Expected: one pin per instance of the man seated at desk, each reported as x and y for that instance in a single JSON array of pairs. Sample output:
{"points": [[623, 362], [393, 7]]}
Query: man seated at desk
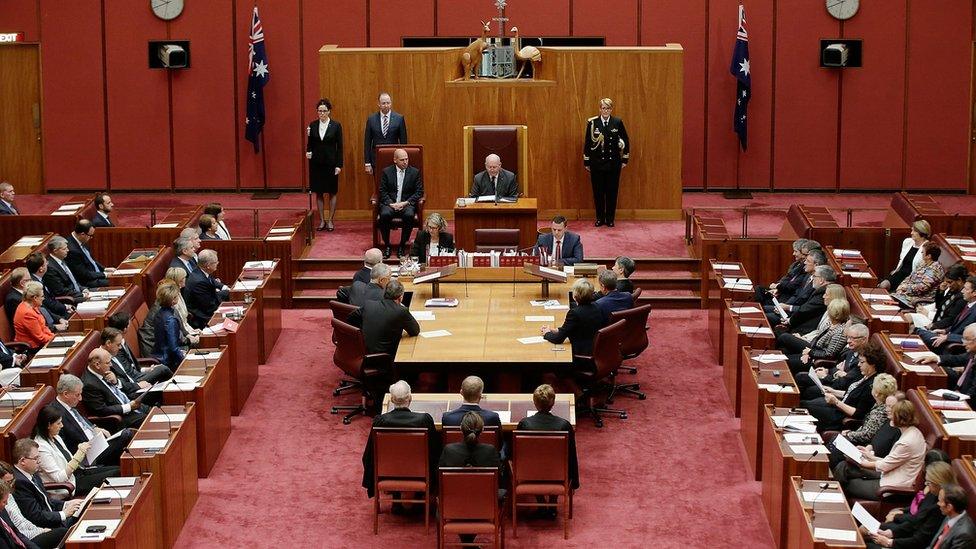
{"points": [[204, 292], [7, 199], [401, 188], [383, 321], [561, 246], [359, 293], [495, 181], [87, 271], [58, 276], [544, 397], [106, 395]]}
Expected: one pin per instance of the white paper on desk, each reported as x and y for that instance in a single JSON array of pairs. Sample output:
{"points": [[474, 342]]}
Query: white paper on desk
{"points": [[551, 271], [209, 330], [805, 428], [736, 282], [19, 396], [725, 267], [543, 302], [504, 415], [279, 237], [835, 534], [539, 318], [570, 270], [423, 315], [847, 448], [80, 534], [4, 422], [106, 294], [114, 493], [186, 379], [426, 277], [28, 241], [900, 340], [179, 386], [941, 393], [969, 258], [531, 340], [824, 497], [776, 388], [92, 306], [959, 414], [165, 225], [769, 358], [890, 318], [485, 198], [148, 443], [961, 428], [53, 351], [282, 230], [46, 362], [802, 438], [212, 355], [842, 252], [875, 297], [920, 368], [72, 212], [967, 249], [744, 310], [807, 449], [961, 241], [167, 418], [857, 274], [125, 272], [756, 330], [98, 445], [884, 307], [121, 481], [435, 333], [781, 421], [247, 285], [557, 307], [920, 321], [266, 264]]}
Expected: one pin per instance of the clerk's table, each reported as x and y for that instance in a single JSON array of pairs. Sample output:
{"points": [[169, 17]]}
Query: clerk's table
{"points": [[521, 215]]}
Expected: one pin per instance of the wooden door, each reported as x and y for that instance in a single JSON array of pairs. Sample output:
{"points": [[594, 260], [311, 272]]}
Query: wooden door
{"points": [[20, 117]]}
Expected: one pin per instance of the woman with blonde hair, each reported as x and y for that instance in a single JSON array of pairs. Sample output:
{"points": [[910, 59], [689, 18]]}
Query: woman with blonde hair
{"points": [[167, 349], [178, 276], [432, 239], [824, 343], [917, 524]]}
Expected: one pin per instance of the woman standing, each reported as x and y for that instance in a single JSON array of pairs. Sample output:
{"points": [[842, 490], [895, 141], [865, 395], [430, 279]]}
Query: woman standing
{"points": [[324, 153]]}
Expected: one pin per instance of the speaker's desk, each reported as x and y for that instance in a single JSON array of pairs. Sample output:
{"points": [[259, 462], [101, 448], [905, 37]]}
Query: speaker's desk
{"points": [[521, 214]]}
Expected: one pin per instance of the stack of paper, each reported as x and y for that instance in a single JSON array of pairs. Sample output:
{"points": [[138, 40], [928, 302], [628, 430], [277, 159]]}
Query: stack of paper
{"points": [[212, 355], [776, 388], [125, 272], [756, 330], [875, 297], [281, 230], [965, 428], [823, 497], [744, 310], [920, 368], [92, 306], [268, 264]]}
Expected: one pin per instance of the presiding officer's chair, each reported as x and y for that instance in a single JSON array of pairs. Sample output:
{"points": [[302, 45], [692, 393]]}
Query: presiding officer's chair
{"points": [[368, 369], [510, 143], [383, 156], [490, 240]]}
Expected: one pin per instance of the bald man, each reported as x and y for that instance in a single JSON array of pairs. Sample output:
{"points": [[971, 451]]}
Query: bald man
{"points": [[370, 258], [106, 395], [495, 180], [401, 188]]}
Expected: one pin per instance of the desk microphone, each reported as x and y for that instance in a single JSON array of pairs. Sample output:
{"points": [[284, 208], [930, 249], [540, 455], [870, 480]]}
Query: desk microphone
{"points": [[813, 502], [135, 460], [106, 484], [465, 282], [206, 366], [169, 423]]}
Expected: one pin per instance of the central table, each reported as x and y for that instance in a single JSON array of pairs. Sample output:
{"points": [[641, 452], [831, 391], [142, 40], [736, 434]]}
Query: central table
{"points": [[520, 215]]}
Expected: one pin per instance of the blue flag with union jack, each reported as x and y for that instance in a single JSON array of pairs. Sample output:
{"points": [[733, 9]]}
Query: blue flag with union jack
{"points": [[740, 69], [258, 76]]}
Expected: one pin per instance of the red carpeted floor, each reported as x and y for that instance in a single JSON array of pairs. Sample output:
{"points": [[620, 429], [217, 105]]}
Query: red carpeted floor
{"points": [[673, 475]]}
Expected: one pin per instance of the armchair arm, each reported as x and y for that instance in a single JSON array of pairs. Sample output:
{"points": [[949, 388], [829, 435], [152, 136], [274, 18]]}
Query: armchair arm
{"points": [[147, 361], [18, 347], [109, 423], [374, 200], [66, 299], [59, 486]]}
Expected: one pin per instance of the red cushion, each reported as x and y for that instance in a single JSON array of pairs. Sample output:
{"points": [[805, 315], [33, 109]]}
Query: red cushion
{"points": [[401, 485], [540, 489], [469, 527]]}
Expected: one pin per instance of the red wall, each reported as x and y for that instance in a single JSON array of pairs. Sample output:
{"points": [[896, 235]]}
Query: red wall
{"points": [[900, 122]]}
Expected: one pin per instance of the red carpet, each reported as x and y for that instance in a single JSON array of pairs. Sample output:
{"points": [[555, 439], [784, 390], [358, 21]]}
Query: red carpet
{"points": [[673, 475]]}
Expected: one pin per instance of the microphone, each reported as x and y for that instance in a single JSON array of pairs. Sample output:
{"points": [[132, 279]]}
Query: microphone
{"points": [[135, 460], [823, 486], [206, 366], [465, 282], [169, 423], [105, 484]]}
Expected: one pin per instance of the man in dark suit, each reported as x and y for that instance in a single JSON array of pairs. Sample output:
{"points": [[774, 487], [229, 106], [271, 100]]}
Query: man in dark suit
{"points": [[185, 256], [495, 180], [957, 531], [59, 277], [960, 368], [544, 397], [36, 264], [938, 336], [76, 428], [103, 208], [612, 299], [358, 293], [805, 316], [370, 258], [401, 187], [838, 378], [471, 389], [124, 359], [104, 394], [400, 416], [383, 321], [19, 278], [794, 279], [570, 248], [7, 199], [87, 271], [10, 359], [948, 299], [29, 493], [128, 374], [384, 127], [204, 292], [624, 267], [10, 536], [606, 150]]}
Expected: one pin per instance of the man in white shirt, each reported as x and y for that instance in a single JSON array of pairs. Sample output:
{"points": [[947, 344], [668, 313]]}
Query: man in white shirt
{"points": [[384, 127], [77, 428], [45, 538], [7, 199], [401, 188], [103, 207]]}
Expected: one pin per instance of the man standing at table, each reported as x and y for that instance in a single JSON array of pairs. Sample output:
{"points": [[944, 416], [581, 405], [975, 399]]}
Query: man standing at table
{"points": [[384, 127], [400, 189], [561, 246], [495, 180], [606, 149]]}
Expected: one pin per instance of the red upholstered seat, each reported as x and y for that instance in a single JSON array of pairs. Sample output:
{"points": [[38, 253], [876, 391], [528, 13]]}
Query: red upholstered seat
{"points": [[401, 466], [468, 504], [383, 156], [540, 467]]}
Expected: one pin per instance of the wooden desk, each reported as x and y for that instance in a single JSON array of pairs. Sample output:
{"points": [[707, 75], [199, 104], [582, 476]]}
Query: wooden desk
{"points": [[139, 520], [759, 383], [740, 332], [931, 419], [851, 267], [50, 362], [261, 282], [130, 300], [779, 464], [484, 330], [807, 516], [956, 249], [877, 310], [212, 397], [112, 245], [907, 208], [517, 404], [919, 375], [61, 220], [175, 465], [725, 280], [18, 414], [17, 253], [880, 245], [243, 348], [521, 215], [143, 267]]}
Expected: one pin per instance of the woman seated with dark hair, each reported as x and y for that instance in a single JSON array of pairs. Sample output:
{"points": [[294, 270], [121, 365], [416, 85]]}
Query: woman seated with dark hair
{"points": [[432, 238], [208, 227], [57, 464], [915, 526], [831, 411], [582, 321], [217, 211], [923, 282], [470, 453], [898, 469]]}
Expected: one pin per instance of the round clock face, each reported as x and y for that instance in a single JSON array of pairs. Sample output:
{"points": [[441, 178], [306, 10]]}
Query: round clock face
{"points": [[167, 9], [843, 9]]}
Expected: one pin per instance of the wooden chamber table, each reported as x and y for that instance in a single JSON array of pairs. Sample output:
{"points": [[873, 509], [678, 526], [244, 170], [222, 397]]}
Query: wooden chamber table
{"points": [[741, 330], [261, 281], [715, 290], [139, 525], [763, 382], [17, 253], [61, 220], [129, 301], [808, 518], [243, 348], [51, 361], [143, 267], [877, 308], [851, 267], [903, 367], [521, 215], [517, 404], [484, 329], [956, 249]]}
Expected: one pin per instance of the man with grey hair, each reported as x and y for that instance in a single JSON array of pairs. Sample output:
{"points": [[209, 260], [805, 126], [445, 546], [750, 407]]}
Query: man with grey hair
{"points": [[370, 258], [495, 180], [59, 278], [76, 428], [794, 279], [611, 299], [204, 291], [7, 199], [838, 378], [805, 316], [359, 293], [383, 321], [184, 256], [400, 416]]}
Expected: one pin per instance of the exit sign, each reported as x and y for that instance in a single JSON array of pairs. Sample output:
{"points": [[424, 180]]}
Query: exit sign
{"points": [[11, 37]]}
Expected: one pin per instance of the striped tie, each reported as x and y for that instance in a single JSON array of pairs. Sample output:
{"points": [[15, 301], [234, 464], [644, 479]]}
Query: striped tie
{"points": [[386, 123]]}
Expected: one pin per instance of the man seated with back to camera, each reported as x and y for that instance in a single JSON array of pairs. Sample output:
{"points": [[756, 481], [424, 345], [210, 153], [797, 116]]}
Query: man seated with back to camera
{"points": [[383, 321], [359, 293], [612, 299], [544, 398], [472, 388], [371, 257]]}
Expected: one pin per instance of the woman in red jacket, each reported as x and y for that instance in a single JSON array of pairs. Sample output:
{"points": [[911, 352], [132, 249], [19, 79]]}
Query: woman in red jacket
{"points": [[29, 325]]}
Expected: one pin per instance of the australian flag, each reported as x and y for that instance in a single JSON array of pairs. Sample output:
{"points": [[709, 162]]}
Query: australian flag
{"points": [[258, 76], [740, 69]]}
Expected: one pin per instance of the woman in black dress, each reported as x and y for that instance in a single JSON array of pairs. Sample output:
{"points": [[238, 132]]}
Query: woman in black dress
{"points": [[324, 153]]}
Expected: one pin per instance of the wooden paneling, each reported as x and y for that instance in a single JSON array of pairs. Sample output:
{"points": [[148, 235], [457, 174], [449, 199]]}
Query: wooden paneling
{"points": [[20, 117], [648, 100]]}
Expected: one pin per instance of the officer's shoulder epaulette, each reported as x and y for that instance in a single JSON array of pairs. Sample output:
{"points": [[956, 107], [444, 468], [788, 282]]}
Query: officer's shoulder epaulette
{"points": [[592, 118]]}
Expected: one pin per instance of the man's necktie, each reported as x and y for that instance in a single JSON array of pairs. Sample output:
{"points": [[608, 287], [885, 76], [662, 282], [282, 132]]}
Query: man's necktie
{"points": [[400, 177], [965, 373], [386, 124], [557, 252], [962, 315], [91, 260], [10, 532], [494, 185], [71, 277], [942, 536], [116, 360], [14, 209]]}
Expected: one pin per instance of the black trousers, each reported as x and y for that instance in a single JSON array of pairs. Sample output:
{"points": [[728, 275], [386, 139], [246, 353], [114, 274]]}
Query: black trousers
{"points": [[157, 373], [50, 539], [388, 214], [605, 181]]}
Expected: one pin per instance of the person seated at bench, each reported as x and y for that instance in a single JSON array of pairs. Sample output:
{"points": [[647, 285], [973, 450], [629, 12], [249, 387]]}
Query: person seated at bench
{"points": [[831, 410], [923, 282]]}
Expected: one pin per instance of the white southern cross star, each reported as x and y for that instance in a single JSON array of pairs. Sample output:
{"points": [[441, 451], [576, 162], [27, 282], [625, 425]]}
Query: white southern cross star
{"points": [[261, 69], [744, 67]]}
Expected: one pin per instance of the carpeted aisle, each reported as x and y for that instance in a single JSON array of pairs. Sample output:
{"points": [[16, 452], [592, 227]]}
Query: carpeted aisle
{"points": [[673, 475]]}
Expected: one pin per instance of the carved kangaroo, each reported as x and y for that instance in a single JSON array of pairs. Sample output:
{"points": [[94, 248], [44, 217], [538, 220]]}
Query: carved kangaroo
{"points": [[471, 58]]}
